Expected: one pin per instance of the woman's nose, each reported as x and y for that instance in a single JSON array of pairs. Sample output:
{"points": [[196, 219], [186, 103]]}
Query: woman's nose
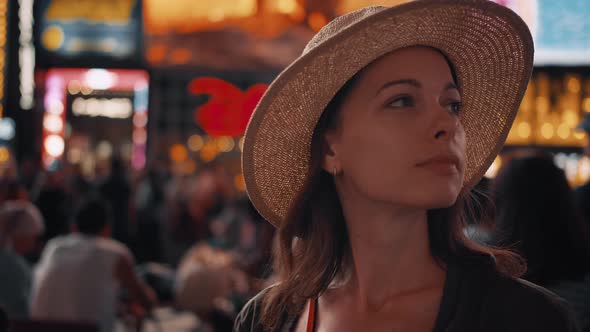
{"points": [[445, 123]]}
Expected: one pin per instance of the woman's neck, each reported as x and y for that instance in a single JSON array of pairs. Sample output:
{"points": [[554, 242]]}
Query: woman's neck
{"points": [[390, 255]]}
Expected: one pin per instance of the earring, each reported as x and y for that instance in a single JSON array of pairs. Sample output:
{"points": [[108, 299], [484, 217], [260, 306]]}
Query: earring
{"points": [[335, 172]]}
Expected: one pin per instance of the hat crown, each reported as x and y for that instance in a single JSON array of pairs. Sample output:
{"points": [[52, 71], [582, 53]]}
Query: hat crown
{"points": [[340, 23]]}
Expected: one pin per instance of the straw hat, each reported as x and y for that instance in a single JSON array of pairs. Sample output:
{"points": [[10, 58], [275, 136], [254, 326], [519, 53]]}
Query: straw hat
{"points": [[490, 47]]}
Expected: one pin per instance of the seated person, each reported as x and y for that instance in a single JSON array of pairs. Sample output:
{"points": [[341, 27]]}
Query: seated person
{"points": [[206, 283], [21, 224], [80, 275]]}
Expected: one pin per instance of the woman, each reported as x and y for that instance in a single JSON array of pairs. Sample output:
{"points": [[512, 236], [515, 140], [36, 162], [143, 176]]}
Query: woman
{"points": [[536, 215], [21, 224], [362, 154]]}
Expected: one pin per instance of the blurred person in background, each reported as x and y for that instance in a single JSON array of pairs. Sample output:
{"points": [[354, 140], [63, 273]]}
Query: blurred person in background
{"points": [[12, 190], [11, 187], [116, 190], [209, 284], [193, 203], [536, 215], [81, 275], [29, 172], [240, 229], [52, 200], [150, 205], [21, 224]]}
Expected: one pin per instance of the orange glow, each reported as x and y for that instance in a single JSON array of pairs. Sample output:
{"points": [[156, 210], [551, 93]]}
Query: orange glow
{"points": [[239, 182], [316, 21], [4, 154], [161, 17], [345, 6], [209, 152], [178, 153], [156, 53], [180, 56]]}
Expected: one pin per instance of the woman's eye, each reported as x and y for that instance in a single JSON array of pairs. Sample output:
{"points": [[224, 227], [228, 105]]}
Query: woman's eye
{"points": [[455, 107], [404, 101]]}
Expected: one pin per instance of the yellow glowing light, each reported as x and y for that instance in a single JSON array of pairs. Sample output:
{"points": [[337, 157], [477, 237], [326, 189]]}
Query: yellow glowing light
{"points": [[4, 154], [586, 104], [161, 16], [287, 6], [74, 87], [563, 131], [570, 117], [216, 15], [241, 144], [86, 90], [52, 38], [579, 135], [178, 153], [494, 167], [209, 152], [225, 144], [547, 130], [542, 103], [524, 130], [573, 84], [239, 182], [195, 143]]}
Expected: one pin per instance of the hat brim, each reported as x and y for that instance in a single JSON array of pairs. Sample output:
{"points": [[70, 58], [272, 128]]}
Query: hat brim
{"points": [[489, 46]]}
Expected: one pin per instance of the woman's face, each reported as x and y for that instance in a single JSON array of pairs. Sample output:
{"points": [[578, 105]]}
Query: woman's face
{"points": [[399, 139]]}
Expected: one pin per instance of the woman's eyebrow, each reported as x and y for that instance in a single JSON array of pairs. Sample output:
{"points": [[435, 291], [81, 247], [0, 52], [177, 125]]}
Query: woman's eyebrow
{"points": [[409, 81], [450, 86]]}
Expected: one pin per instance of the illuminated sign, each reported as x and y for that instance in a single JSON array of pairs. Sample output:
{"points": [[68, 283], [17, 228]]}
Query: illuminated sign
{"points": [[115, 108], [61, 81], [104, 28]]}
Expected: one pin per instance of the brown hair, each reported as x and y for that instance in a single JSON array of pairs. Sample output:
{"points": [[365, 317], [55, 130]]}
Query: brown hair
{"points": [[313, 246]]}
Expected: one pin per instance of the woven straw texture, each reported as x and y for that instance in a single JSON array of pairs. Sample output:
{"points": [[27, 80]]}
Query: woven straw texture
{"points": [[492, 52]]}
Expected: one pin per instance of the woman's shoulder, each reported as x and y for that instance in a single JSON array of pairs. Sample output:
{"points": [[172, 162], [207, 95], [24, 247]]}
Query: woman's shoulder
{"points": [[513, 304]]}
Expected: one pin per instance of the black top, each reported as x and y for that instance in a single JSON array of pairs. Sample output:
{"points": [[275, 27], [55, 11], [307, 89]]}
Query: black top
{"points": [[475, 299]]}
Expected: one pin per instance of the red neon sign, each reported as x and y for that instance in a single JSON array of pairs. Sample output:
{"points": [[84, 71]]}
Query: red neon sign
{"points": [[228, 109]]}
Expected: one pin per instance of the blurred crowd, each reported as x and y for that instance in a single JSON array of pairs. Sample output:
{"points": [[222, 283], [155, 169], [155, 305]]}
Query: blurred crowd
{"points": [[117, 248], [110, 253]]}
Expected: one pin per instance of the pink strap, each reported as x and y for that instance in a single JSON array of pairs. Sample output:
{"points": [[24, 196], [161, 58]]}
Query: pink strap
{"points": [[311, 316]]}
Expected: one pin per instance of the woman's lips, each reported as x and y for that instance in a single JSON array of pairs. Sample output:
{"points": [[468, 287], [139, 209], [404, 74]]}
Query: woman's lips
{"points": [[442, 165]]}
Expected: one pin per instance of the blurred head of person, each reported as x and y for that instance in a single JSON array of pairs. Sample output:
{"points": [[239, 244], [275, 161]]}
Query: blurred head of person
{"points": [[205, 280], [536, 215], [93, 218], [21, 224]]}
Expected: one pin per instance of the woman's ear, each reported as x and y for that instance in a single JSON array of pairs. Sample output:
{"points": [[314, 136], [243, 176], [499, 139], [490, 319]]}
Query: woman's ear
{"points": [[330, 155]]}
